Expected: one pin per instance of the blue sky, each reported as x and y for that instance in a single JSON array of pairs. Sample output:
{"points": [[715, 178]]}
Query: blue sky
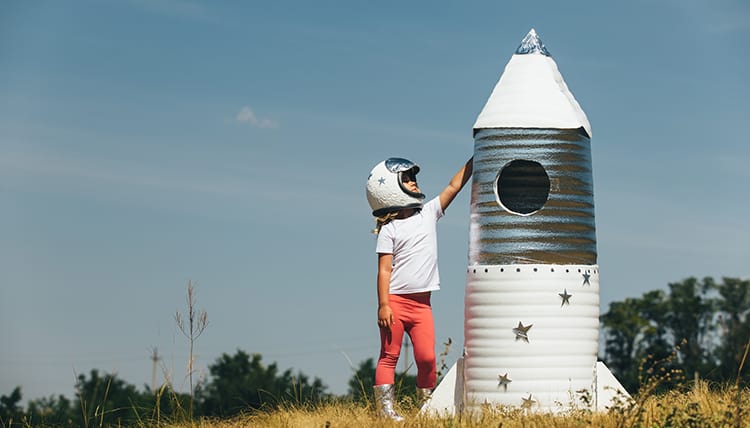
{"points": [[144, 144]]}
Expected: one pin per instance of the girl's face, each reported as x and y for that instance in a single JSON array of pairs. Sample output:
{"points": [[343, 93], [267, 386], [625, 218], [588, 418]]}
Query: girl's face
{"points": [[409, 181]]}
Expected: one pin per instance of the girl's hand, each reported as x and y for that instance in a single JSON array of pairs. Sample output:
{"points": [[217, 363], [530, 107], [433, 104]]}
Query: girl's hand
{"points": [[385, 316]]}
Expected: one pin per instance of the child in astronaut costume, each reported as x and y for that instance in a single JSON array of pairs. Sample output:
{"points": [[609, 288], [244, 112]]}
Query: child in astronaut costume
{"points": [[407, 270]]}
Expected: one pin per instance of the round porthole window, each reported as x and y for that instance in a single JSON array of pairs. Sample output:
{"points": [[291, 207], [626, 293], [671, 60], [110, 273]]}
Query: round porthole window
{"points": [[522, 187]]}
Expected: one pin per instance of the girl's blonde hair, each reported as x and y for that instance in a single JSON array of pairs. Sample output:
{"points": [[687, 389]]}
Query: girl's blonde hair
{"points": [[383, 220]]}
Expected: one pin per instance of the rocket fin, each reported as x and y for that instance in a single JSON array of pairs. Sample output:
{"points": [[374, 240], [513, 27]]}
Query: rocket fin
{"points": [[447, 398], [608, 389]]}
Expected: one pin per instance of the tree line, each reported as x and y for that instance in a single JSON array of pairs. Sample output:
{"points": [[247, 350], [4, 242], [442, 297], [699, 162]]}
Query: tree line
{"points": [[696, 328], [699, 328], [237, 383]]}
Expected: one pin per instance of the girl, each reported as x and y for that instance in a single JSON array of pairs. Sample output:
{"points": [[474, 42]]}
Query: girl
{"points": [[407, 270]]}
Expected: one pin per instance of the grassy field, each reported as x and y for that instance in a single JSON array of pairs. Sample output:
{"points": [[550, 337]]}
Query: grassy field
{"points": [[700, 406]]}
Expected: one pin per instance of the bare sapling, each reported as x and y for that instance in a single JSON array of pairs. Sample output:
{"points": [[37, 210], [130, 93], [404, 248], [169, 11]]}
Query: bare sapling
{"points": [[197, 321]]}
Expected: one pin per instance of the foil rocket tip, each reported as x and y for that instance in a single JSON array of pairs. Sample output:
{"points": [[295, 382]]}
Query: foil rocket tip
{"points": [[532, 44]]}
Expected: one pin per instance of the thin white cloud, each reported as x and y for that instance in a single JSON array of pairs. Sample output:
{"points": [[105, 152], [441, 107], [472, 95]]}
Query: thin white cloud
{"points": [[248, 116]]}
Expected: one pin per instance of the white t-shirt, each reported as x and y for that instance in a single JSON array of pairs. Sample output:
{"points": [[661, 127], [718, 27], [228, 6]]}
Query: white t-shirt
{"points": [[413, 243]]}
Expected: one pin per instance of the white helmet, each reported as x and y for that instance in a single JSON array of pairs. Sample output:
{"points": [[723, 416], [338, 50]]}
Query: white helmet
{"points": [[386, 193]]}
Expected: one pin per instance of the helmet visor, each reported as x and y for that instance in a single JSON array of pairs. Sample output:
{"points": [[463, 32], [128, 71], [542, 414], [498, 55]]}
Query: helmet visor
{"points": [[396, 165], [404, 168]]}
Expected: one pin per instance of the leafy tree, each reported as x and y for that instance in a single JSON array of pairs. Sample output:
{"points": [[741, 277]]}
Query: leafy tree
{"points": [[51, 411], [10, 411], [107, 400], [688, 317], [165, 403], [733, 308], [362, 380], [102, 401], [635, 336], [655, 343], [240, 382], [623, 325]]}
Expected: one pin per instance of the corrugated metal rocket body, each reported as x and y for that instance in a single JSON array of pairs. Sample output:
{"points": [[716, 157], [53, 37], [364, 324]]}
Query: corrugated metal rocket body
{"points": [[532, 290], [540, 209]]}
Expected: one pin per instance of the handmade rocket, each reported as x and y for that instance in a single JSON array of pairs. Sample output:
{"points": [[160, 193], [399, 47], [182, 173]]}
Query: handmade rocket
{"points": [[531, 315]]}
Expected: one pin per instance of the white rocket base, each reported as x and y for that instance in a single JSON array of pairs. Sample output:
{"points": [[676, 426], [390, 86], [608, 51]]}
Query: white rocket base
{"points": [[448, 397], [531, 335]]}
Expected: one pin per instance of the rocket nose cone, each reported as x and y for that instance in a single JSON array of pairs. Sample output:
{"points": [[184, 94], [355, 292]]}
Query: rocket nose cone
{"points": [[532, 44], [531, 93]]}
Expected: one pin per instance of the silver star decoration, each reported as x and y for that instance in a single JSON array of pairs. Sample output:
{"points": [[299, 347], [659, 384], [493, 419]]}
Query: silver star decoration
{"points": [[381, 181], [586, 277], [527, 402], [565, 297], [522, 331], [503, 380]]}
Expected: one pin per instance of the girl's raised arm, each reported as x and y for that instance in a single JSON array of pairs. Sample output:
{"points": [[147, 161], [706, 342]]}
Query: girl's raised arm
{"points": [[456, 184]]}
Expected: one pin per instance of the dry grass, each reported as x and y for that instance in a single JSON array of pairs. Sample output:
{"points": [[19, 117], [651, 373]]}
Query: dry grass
{"points": [[700, 406]]}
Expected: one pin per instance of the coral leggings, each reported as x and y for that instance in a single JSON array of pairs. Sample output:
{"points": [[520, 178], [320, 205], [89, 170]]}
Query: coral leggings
{"points": [[412, 314]]}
